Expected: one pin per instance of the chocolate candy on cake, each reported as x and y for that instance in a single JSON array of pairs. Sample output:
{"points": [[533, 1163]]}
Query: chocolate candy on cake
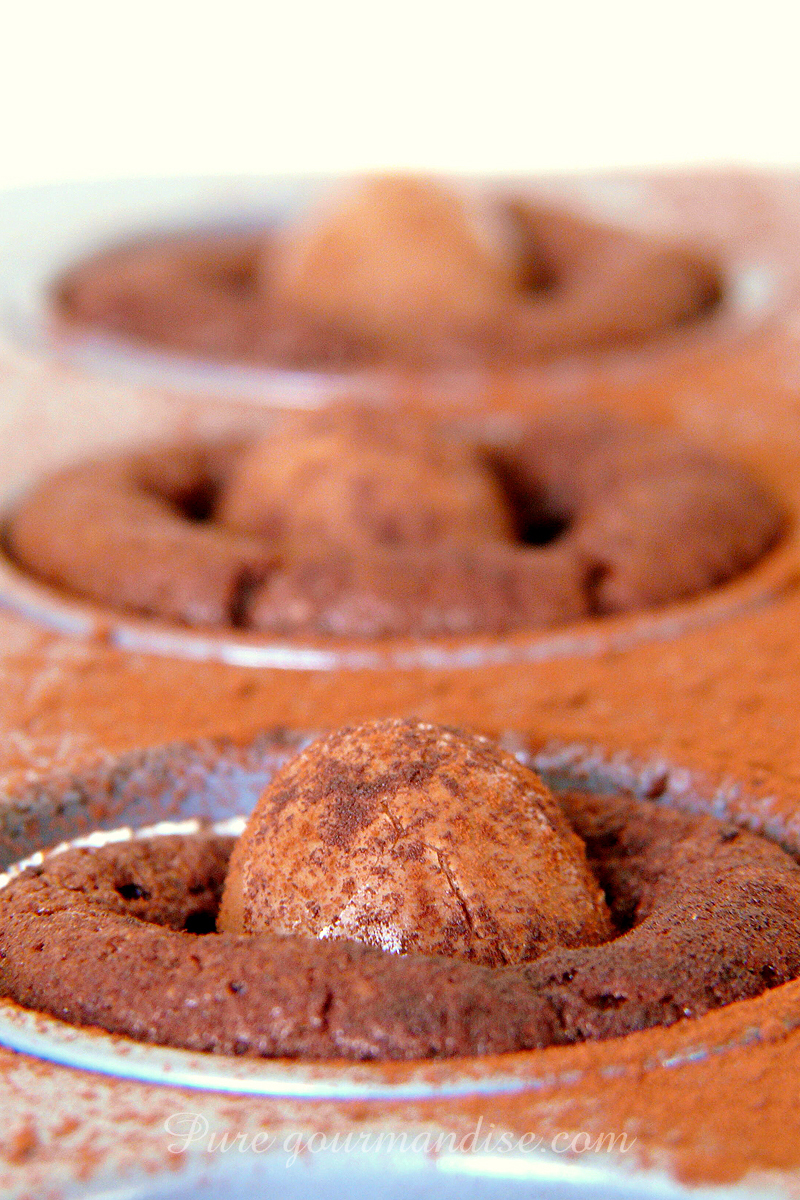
{"points": [[415, 857], [343, 523], [396, 271]]}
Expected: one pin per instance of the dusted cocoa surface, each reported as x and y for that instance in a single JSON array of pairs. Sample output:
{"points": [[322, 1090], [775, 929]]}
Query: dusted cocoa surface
{"points": [[705, 914], [414, 837], [342, 523], [359, 477], [396, 271], [708, 716], [709, 724]]}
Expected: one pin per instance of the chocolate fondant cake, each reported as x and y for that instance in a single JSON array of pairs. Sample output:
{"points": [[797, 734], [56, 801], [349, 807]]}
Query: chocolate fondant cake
{"points": [[396, 270], [703, 719], [346, 523], [405, 836]]}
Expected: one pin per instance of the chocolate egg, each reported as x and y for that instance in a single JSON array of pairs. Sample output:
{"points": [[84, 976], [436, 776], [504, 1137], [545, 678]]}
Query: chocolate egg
{"points": [[390, 256], [414, 837], [354, 478]]}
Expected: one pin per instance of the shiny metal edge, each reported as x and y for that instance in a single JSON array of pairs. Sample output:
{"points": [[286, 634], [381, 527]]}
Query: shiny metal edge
{"points": [[34, 601], [226, 782]]}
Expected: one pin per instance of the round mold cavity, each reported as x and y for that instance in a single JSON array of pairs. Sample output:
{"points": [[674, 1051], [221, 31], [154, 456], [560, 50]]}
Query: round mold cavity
{"points": [[73, 616], [171, 789], [48, 229]]}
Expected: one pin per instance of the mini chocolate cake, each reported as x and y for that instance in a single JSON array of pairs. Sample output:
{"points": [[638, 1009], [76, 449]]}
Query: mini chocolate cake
{"points": [[347, 523], [703, 720], [395, 270], [601, 915]]}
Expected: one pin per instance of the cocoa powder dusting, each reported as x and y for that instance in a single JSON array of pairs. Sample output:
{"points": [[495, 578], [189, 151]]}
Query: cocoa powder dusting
{"points": [[704, 718]]}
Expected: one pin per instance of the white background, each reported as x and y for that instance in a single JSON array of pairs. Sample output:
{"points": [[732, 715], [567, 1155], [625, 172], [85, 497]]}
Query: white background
{"points": [[100, 88]]}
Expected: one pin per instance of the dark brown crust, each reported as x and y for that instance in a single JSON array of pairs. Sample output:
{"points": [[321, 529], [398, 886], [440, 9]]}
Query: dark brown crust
{"points": [[200, 295], [712, 915], [647, 518]]}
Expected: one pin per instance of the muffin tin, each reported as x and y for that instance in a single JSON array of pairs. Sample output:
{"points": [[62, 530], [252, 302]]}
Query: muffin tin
{"points": [[696, 705]]}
